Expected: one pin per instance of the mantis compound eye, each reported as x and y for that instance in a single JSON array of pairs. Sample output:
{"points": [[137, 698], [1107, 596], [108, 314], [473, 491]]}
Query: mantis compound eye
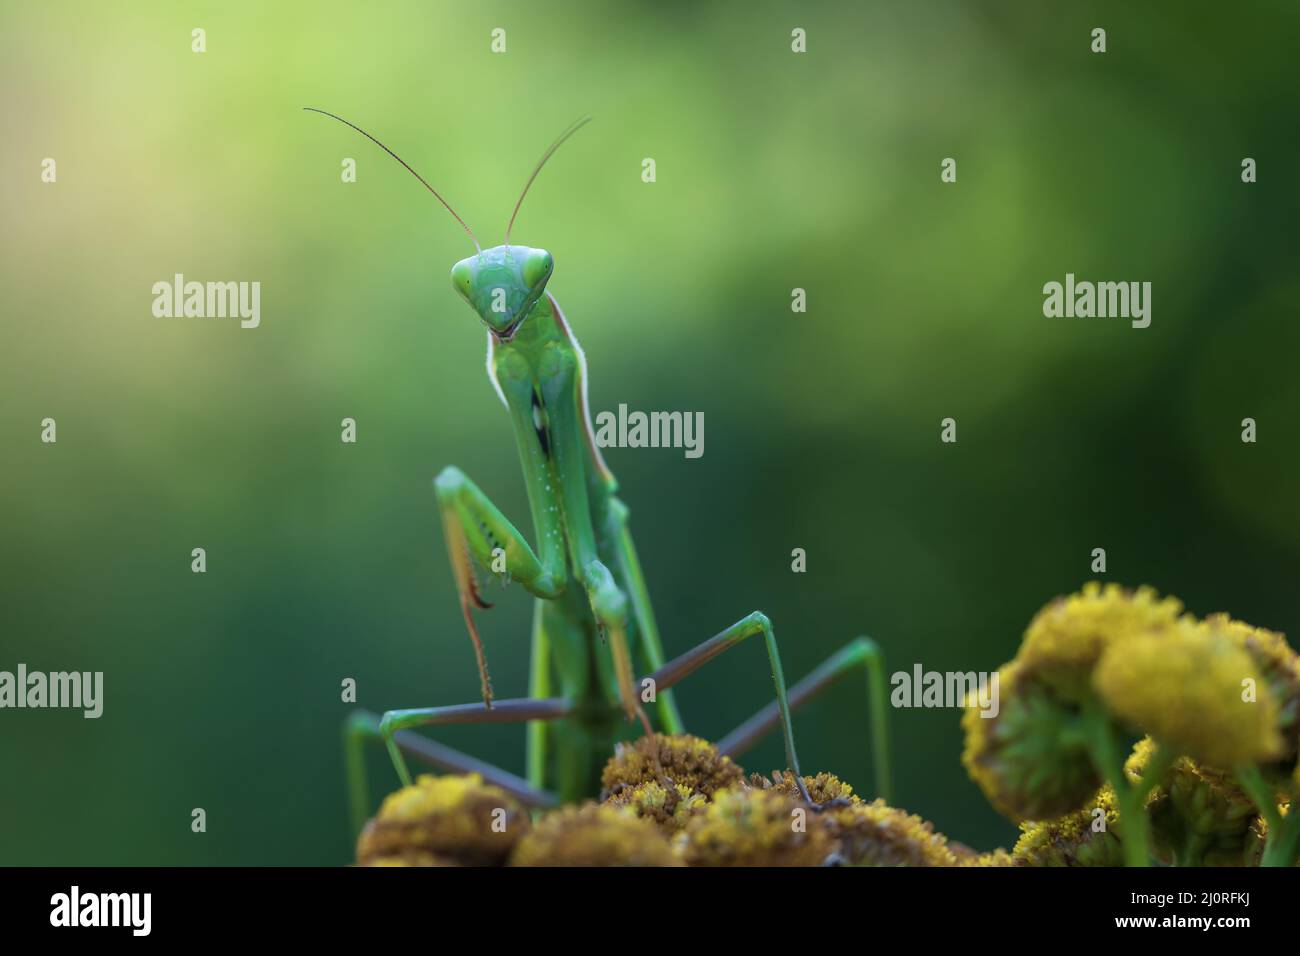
{"points": [[462, 277], [537, 268]]}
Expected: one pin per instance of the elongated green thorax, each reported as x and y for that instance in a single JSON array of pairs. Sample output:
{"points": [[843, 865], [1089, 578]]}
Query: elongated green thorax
{"points": [[540, 373]]}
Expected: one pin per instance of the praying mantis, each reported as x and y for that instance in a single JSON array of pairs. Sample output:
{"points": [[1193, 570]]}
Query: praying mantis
{"points": [[593, 624]]}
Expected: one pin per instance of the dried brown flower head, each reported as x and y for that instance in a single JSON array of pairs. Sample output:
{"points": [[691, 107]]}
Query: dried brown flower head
{"points": [[678, 760], [669, 808], [822, 788], [876, 834]]}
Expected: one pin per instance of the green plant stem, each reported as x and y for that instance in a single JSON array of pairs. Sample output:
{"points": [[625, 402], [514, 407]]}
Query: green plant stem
{"points": [[1253, 782], [1105, 744], [1285, 848], [1189, 854], [1161, 760], [1282, 845]]}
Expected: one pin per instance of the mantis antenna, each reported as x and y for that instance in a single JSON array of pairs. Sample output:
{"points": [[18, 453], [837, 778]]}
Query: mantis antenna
{"points": [[550, 151], [473, 238]]}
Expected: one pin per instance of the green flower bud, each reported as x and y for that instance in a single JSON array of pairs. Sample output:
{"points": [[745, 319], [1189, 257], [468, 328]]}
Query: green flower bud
{"points": [[1031, 760], [1199, 816]]}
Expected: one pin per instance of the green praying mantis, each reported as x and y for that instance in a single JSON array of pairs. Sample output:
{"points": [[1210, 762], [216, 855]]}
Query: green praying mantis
{"points": [[593, 624]]}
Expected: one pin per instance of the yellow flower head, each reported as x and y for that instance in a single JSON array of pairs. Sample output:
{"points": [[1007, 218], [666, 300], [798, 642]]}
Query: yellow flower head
{"points": [[1199, 816], [593, 835], [823, 788], [668, 808], [681, 760], [457, 818], [998, 857], [876, 834], [416, 858], [1031, 760], [1280, 667], [1067, 638], [745, 827], [1086, 837], [1190, 690]]}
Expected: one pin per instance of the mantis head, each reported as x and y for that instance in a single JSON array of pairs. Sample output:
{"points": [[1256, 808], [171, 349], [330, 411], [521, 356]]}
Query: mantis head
{"points": [[502, 284]]}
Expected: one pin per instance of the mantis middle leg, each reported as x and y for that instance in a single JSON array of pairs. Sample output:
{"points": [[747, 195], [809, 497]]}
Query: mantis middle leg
{"points": [[859, 653], [518, 711], [862, 652], [754, 624], [363, 727]]}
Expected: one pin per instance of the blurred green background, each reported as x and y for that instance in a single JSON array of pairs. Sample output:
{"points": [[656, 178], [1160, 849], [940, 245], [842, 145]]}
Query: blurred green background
{"points": [[775, 171]]}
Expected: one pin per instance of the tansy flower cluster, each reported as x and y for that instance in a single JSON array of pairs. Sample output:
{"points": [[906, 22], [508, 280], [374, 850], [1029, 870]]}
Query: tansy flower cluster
{"points": [[1128, 732], [1214, 708], [667, 801]]}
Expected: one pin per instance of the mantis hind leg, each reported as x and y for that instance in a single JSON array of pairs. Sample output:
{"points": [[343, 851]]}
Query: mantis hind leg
{"points": [[861, 653], [642, 611], [609, 606], [539, 686]]}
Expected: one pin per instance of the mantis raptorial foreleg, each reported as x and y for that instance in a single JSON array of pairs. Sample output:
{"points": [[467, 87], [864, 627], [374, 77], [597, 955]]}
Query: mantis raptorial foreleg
{"points": [[862, 653], [475, 528], [363, 727]]}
